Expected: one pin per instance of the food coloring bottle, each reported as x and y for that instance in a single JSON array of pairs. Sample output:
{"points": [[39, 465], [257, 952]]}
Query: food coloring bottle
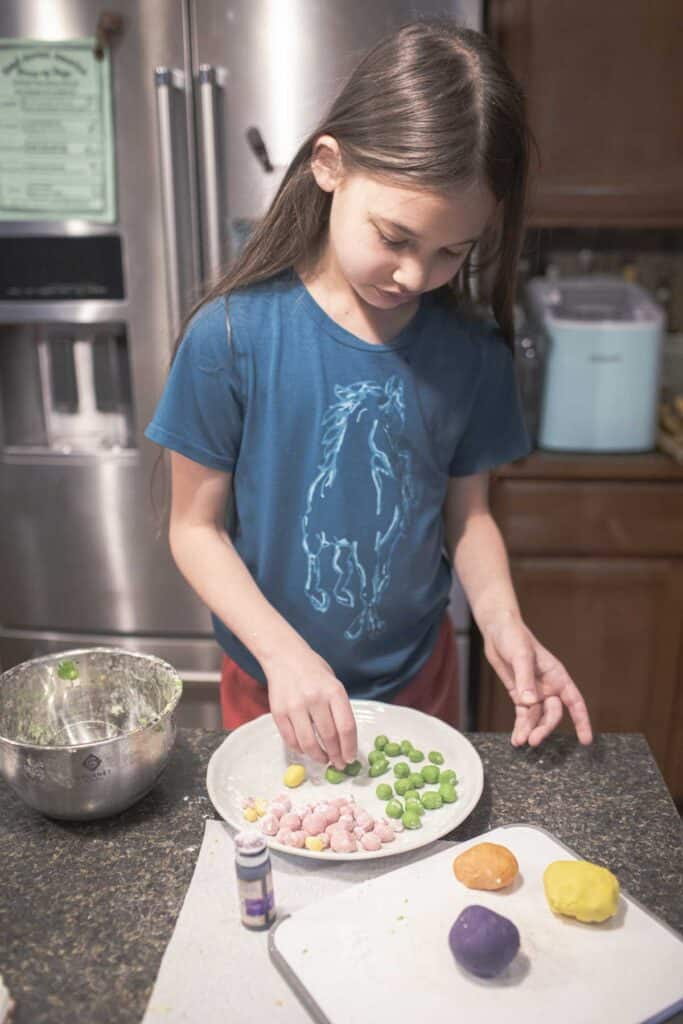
{"points": [[254, 881]]}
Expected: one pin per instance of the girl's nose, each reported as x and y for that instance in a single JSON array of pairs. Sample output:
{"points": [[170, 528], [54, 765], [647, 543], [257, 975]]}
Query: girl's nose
{"points": [[412, 275]]}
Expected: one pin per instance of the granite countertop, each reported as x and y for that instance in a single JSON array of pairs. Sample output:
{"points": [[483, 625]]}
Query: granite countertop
{"points": [[86, 910]]}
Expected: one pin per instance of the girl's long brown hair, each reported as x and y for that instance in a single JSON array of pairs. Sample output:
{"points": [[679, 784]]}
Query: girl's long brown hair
{"points": [[431, 106]]}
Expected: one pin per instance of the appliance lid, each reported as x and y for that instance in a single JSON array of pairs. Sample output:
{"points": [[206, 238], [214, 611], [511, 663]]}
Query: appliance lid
{"points": [[587, 301]]}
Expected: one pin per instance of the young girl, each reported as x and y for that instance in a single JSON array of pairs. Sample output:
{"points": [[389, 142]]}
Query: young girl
{"points": [[334, 395]]}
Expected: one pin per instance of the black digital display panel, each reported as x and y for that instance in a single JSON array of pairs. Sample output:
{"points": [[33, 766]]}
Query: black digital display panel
{"points": [[52, 268]]}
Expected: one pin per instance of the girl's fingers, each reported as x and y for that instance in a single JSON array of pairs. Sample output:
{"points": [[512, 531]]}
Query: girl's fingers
{"points": [[501, 670], [556, 679], [305, 735], [579, 714], [525, 720], [345, 725], [551, 717], [327, 732], [519, 676], [286, 730], [524, 669], [576, 706]]}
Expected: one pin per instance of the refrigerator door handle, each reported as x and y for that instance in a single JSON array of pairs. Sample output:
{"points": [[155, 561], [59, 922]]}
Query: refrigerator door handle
{"points": [[165, 80], [212, 250]]}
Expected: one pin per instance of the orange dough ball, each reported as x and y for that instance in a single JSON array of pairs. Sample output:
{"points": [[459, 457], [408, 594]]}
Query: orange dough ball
{"points": [[486, 866]]}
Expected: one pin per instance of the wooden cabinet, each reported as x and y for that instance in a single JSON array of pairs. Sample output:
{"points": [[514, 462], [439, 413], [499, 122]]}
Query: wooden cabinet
{"points": [[605, 93], [596, 551]]}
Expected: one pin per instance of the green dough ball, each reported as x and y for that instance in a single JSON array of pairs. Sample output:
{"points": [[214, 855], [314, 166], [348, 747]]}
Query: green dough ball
{"points": [[406, 746], [415, 805], [334, 776], [411, 794], [376, 755], [353, 768], [392, 749], [378, 768], [402, 786], [381, 742], [430, 773], [448, 776], [384, 792], [432, 800], [435, 757], [67, 669], [448, 792], [415, 756], [411, 820], [416, 780], [401, 770], [394, 809]]}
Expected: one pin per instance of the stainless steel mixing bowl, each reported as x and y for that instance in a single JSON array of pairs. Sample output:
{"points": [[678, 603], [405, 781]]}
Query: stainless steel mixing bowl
{"points": [[84, 734]]}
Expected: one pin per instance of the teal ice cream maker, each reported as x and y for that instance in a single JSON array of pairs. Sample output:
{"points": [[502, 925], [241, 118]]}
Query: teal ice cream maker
{"points": [[603, 345]]}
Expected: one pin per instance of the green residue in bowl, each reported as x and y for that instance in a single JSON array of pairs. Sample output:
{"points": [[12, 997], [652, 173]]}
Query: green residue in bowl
{"points": [[67, 669]]}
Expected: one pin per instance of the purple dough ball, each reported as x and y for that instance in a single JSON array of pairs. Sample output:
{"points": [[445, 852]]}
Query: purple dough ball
{"points": [[483, 942]]}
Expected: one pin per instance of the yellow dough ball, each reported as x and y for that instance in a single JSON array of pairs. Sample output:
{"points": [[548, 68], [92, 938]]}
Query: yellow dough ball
{"points": [[577, 888], [486, 866], [295, 775]]}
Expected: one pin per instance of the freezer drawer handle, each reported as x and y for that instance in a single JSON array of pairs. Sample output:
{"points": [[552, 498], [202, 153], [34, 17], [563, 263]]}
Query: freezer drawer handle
{"points": [[165, 80], [208, 80]]}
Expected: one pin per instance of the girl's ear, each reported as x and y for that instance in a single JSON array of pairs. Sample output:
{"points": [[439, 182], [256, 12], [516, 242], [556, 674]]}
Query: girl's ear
{"points": [[326, 163]]}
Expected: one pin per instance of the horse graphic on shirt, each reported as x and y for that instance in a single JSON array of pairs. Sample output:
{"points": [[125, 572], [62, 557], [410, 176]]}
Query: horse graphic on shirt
{"points": [[365, 462]]}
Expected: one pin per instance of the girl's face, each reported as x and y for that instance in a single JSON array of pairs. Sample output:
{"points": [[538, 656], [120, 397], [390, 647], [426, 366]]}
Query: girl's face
{"points": [[391, 244]]}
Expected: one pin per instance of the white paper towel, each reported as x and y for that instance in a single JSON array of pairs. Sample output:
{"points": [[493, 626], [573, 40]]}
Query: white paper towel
{"points": [[214, 969]]}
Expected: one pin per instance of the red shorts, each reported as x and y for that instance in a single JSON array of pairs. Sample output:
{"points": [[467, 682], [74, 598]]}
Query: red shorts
{"points": [[434, 690]]}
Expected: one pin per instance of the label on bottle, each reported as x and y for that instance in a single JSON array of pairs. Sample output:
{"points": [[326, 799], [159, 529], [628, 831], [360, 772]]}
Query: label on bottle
{"points": [[257, 902]]}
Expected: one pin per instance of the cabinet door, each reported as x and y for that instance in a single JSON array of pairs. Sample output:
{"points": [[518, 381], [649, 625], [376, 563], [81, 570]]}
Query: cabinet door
{"points": [[673, 768], [616, 626], [605, 94]]}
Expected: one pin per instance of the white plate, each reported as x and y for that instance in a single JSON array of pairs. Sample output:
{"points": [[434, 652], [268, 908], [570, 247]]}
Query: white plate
{"points": [[252, 760]]}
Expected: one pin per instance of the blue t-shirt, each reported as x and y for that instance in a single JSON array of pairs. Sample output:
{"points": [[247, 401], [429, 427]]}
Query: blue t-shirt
{"points": [[341, 452]]}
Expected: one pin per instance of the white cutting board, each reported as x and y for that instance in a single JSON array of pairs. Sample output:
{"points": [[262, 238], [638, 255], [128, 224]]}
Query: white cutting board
{"points": [[379, 950]]}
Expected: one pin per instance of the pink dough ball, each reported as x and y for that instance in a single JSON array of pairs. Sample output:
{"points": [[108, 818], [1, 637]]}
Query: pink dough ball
{"points": [[396, 825], [346, 821], [290, 820], [384, 833], [342, 841], [298, 839], [269, 825], [277, 810], [331, 814], [313, 824], [365, 821], [371, 840], [283, 836], [284, 800], [339, 801]]}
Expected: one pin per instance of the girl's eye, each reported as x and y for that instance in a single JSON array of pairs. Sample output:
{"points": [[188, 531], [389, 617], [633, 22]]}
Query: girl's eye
{"points": [[391, 243], [453, 255]]}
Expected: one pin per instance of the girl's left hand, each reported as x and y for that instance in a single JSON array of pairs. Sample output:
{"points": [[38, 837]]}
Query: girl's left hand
{"points": [[538, 684]]}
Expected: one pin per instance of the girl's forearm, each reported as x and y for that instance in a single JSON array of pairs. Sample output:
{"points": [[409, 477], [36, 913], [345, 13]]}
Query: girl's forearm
{"points": [[481, 562], [209, 562]]}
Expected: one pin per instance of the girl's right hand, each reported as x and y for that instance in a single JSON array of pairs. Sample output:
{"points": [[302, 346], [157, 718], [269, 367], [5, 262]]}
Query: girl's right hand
{"points": [[311, 708]]}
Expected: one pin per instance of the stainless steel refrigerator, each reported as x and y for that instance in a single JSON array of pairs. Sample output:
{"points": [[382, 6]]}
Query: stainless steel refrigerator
{"points": [[116, 204]]}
